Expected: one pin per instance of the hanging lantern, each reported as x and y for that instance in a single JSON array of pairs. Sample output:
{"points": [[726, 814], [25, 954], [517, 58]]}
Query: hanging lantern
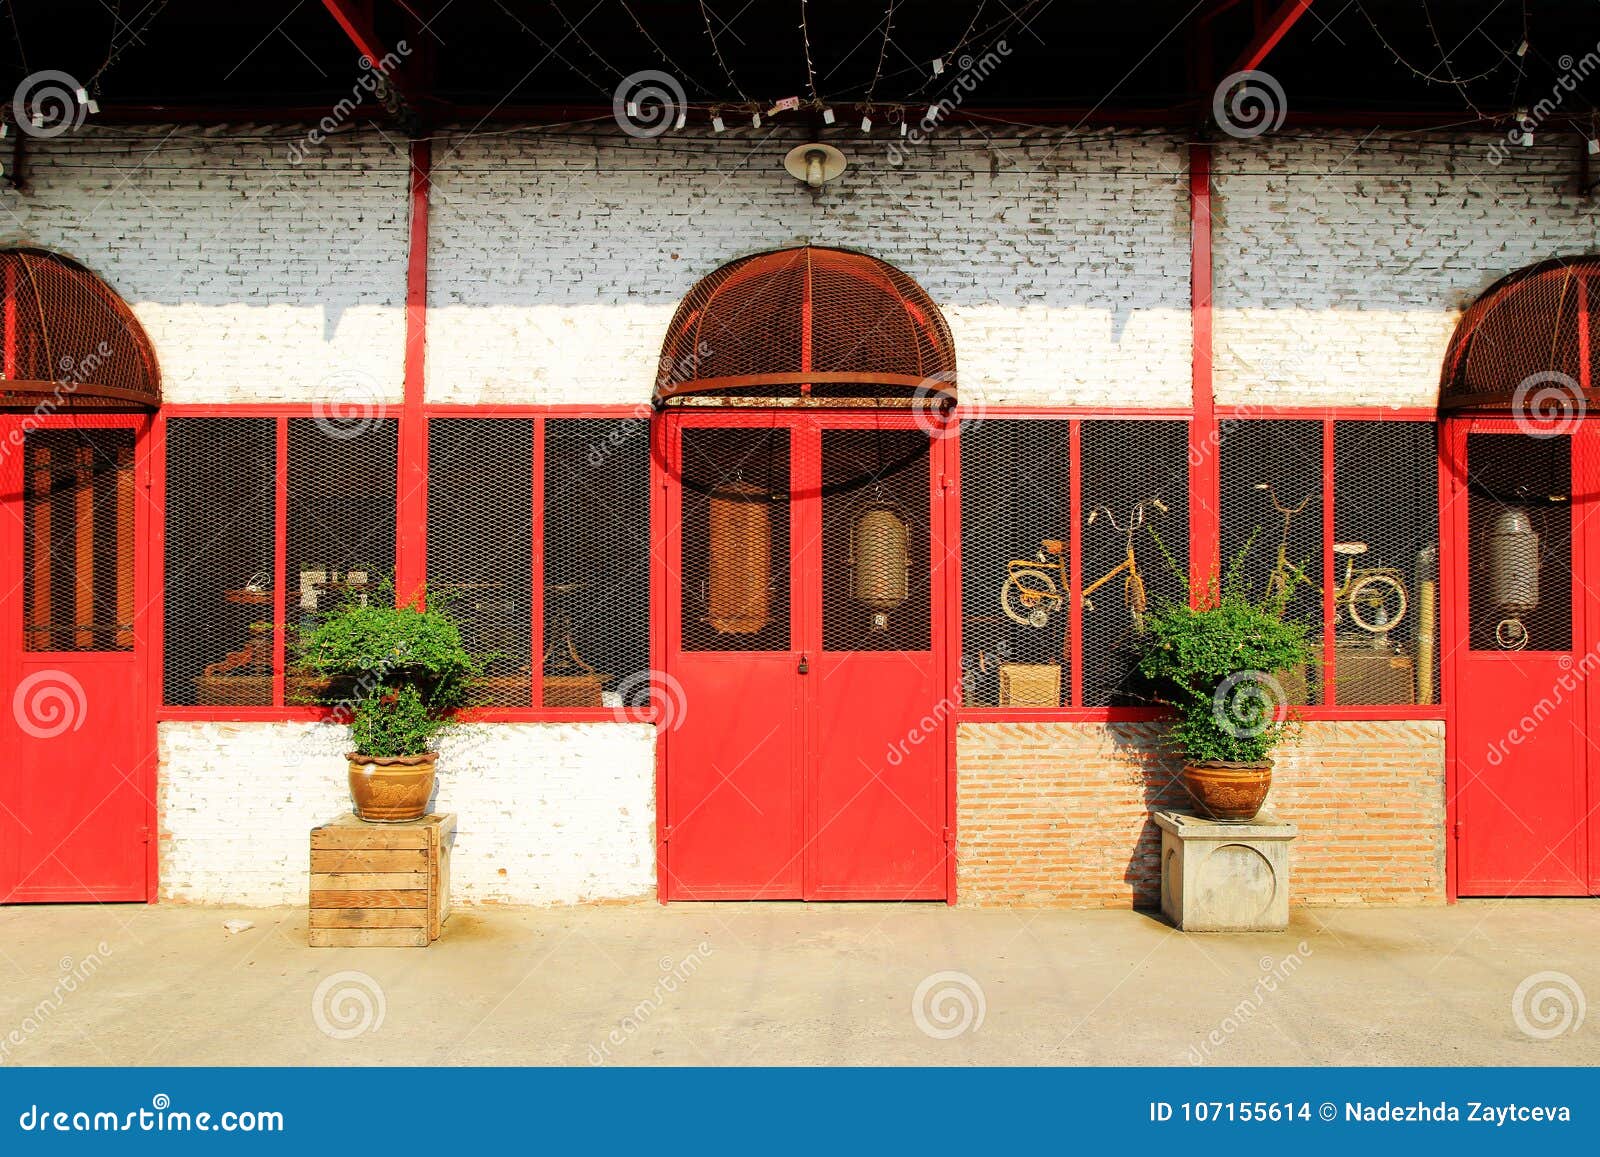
{"points": [[880, 561], [1512, 550], [739, 578]]}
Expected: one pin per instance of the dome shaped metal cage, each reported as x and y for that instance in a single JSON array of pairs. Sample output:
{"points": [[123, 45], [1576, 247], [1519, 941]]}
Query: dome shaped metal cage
{"points": [[68, 338], [808, 326], [1532, 331]]}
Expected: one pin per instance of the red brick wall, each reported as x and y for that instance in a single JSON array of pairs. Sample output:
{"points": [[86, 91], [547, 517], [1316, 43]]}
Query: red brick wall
{"points": [[1058, 813]]}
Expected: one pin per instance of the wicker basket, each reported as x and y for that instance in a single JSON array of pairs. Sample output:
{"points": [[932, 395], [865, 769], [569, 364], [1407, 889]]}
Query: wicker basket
{"points": [[1030, 685]]}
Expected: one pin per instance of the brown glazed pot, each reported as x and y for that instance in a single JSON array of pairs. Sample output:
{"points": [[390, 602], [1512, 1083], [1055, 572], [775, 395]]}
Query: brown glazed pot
{"points": [[391, 789], [1228, 791]]}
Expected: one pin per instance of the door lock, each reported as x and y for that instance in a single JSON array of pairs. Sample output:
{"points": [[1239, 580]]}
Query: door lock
{"points": [[805, 664]]}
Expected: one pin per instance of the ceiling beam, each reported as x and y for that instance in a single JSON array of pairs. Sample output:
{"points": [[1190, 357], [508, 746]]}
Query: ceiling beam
{"points": [[355, 17], [1269, 34]]}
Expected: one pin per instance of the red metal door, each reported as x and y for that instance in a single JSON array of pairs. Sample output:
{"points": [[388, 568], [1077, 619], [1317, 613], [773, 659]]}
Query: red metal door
{"points": [[76, 786], [1527, 639], [809, 758]]}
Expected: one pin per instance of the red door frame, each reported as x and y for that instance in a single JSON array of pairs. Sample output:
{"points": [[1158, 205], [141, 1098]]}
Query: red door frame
{"points": [[1455, 627], [945, 581], [144, 662]]}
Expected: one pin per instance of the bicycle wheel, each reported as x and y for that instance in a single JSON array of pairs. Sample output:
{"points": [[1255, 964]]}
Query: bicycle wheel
{"points": [[1377, 602], [1028, 597]]}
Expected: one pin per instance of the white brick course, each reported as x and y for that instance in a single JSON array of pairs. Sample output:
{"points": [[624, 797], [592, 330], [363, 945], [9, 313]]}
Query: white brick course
{"points": [[549, 813], [1342, 265], [555, 263], [257, 280]]}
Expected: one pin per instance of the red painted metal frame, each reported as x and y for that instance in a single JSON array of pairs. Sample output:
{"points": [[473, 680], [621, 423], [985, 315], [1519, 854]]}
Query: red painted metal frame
{"points": [[1447, 670], [1203, 430], [1269, 34], [411, 491]]}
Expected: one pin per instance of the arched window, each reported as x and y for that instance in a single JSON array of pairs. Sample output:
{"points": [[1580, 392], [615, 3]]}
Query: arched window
{"points": [[1533, 330], [66, 337], [808, 324]]}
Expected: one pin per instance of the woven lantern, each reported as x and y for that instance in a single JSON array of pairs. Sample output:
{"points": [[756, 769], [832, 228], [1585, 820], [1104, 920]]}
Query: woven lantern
{"points": [[739, 578], [880, 560]]}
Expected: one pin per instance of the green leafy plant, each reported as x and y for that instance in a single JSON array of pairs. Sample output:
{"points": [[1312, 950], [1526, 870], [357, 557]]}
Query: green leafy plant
{"points": [[1220, 665], [401, 670]]}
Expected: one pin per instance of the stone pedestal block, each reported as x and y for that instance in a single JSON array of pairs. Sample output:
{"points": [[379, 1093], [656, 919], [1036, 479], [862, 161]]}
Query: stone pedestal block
{"points": [[1224, 877]]}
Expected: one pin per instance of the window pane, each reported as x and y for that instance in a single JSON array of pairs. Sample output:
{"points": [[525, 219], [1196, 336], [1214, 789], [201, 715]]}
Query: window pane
{"points": [[1386, 522], [1131, 470], [219, 549], [1271, 515], [341, 521], [1015, 574], [1519, 519], [877, 594], [596, 562], [480, 544], [78, 529]]}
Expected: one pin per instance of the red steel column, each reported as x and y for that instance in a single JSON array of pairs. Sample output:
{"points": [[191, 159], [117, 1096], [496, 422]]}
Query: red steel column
{"points": [[411, 508], [1204, 435]]}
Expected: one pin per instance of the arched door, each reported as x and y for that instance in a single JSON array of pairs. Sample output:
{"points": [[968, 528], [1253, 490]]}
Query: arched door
{"points": [[806, 559]]}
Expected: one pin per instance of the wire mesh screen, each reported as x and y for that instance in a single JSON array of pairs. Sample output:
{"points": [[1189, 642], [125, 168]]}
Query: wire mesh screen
{"points": [[1386, 563], [78, 532], [220, 508], [341, 523], [877, 593], [1015, 570], [1134, 491], [480, 545], [1519, 518], [596, 562], [1524, 329], [1271, 523], [734, 566]]}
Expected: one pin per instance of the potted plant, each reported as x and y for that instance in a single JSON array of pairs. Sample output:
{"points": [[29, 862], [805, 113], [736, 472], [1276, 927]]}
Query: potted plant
{"points": [[405, 670], [1219, 666]]}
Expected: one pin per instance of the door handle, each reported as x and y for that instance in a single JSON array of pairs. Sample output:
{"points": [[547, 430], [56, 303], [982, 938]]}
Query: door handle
{"points": [[805, 665]]}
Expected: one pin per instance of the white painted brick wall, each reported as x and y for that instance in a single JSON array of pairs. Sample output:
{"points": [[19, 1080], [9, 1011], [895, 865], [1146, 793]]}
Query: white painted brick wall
{"points": [[257, 280], [549, 813], [556, 263], [1342, 266]]}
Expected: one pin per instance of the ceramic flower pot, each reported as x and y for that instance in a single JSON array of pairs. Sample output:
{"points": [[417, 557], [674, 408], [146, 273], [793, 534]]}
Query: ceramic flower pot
{"points": [[393, 789], [1228, 791]]}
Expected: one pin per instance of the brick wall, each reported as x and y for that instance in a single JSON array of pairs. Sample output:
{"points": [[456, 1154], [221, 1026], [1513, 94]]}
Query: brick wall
{"points": [[257, 280], [556, 264], [549, 813], [1342, 263], [1057, 814]]}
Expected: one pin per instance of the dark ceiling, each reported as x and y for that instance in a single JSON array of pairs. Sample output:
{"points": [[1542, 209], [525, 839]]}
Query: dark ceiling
{"points": [[1133, 61]]}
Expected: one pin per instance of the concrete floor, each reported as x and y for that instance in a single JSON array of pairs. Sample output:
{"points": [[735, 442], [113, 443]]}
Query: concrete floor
{"points": [[744, 984]]}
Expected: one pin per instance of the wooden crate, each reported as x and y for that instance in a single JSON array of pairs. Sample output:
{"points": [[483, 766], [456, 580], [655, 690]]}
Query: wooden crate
{"points": [[380, 885]]}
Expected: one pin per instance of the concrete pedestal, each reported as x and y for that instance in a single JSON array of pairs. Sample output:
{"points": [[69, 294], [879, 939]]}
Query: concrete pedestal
{"points": [[1224, 877]]}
